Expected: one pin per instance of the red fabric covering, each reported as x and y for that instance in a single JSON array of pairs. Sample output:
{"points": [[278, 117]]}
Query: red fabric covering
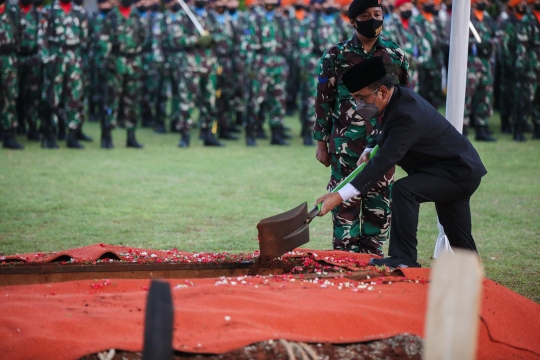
{"points": [[69, 320]]}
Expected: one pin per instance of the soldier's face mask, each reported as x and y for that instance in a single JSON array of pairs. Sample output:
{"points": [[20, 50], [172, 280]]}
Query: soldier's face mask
{"points": [[521, 9], [481, 6], [105, 11], [79, 2], [405, 15], [200, 4], [536, 7], [269, 7], [369, 28], [233, 10], [367, 110], [38, 2], [175, 7], [125, 3], [141, 8], [429, 8], [298, 7], [65, 1], [220, 9], [153, 7], [331, 10], [26, 2]]}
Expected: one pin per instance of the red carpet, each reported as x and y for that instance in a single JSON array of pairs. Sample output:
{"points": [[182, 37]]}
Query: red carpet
{"points": [[69, 320]]}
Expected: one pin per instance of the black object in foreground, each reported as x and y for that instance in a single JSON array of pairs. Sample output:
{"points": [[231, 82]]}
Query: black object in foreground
{"points": [[158, 326]]}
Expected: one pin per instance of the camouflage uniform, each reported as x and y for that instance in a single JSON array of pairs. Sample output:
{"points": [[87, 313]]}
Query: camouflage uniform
{"points": [[413, 43], [173, 72], [347, 134], [265, 46], [321, 32], [122, 40], [504, 77], [29, 71], [534, 21], [430, 72], [9, 41], [479, 91], [85, 58], [152, 60], [518, 55], [200, 71], [61, 36], [99, 70], [293, 82], [238, 102]]}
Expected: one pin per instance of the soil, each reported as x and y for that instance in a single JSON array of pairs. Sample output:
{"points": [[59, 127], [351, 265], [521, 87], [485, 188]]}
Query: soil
{"points": [[400, 347]]}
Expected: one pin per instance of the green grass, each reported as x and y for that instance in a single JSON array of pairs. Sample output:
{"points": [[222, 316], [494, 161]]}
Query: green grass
{"points": [[208, 199]]}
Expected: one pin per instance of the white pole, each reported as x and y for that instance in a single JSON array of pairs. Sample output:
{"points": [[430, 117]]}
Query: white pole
{"points": [[457, 79]]}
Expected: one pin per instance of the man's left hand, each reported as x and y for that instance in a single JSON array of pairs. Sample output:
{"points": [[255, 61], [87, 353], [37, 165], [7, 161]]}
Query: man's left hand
{"points": [[329, 201]]}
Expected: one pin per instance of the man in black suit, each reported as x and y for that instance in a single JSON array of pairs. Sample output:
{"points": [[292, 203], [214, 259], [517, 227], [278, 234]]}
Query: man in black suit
{"points": [[442, 165]]}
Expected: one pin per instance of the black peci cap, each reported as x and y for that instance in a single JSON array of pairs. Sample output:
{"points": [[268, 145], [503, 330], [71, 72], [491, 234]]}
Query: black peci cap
{"points": [[364, 74], [359, 6]]}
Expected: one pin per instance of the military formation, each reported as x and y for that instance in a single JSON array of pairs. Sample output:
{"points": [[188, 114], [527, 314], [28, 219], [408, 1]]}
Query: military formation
{"points": [[206, 64]]}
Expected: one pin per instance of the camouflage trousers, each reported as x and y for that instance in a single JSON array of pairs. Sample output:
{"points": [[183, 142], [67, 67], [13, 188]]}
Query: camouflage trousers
{"points": [[293, 86], [125, 86], [505, 93], [268, 88], [479, 91], [86, 83], [239, 86], [150, 82], [308, 95], [522, 91], [8, 91], [170, 78], [361, 224], [225, 93], [535, 111], [29, 97], [63, 88], [201, 88], [430, 85]]}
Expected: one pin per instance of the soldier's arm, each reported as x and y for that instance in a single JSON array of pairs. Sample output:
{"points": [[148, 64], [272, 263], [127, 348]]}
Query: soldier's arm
{"points": [[105, 38], [326, 96], [43, 40], [189, 39]]}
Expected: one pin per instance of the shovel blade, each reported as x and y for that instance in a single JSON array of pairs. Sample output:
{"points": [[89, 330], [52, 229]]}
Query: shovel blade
{"points": [[282, 233]]}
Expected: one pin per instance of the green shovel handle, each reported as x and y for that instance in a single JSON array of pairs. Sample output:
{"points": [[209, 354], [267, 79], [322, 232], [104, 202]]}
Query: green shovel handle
{"points": [[353, 174]]}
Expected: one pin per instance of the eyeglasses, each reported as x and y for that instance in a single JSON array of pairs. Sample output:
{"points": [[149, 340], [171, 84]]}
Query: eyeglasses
{"points": [[361, 102]]}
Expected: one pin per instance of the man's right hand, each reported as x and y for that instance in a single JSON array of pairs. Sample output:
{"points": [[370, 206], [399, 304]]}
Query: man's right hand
{"points": [[322, 153], [364, 158]]}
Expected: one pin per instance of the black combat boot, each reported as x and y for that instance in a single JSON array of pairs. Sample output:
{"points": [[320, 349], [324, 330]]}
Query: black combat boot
{"points": [[61, 130], [21, 129], [482, 134], [518, 133], [226, 135], [72, 141], [160, 127], [209, 138], [261, 134], [132, 141], [239, 118], [506, 127], [234, 129], [184, 139], [308, 138], [536, 132], [174, 126], [49, 138], [106, 138], [250, 136], [82, 136], [9, 140], [277, 136], [33, 133]]}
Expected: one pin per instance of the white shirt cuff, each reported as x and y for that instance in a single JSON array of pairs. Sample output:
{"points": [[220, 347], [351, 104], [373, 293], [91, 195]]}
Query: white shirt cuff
{"points": [[348, 191], [368, 150]]}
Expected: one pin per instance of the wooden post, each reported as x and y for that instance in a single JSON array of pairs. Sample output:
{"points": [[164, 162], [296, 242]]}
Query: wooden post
{"points": [[453, 312]]}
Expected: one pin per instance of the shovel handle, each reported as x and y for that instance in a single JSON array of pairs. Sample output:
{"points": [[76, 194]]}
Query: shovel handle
{"points": [[353, 174]]}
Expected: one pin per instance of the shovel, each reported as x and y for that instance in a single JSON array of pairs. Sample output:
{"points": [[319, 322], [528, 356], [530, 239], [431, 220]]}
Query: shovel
{"points": [[285, 232]]}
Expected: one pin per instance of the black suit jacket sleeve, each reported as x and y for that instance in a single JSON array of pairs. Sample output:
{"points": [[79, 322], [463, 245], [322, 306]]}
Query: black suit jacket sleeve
{"points": [[401, 137]]}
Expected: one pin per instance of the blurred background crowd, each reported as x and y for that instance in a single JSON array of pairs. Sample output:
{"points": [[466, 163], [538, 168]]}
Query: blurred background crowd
{"points": [[228, 68]]}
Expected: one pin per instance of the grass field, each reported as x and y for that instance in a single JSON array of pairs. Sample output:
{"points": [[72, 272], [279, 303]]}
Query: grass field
{"points": [[208, 199]]}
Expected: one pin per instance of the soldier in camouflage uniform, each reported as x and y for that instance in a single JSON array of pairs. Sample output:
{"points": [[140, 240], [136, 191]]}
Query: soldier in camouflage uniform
{"points": [[398, 29], [29, 70], [430, 72], [200, 71], [321, 32], [296, 21], [503, 77], [239, 26], [152, 60], [225, 54], [518, 55], [342, 133], [479, 91], [9, 42], [121, 42], [534, 20], [172, 74], [265, 47], [62, 32]]}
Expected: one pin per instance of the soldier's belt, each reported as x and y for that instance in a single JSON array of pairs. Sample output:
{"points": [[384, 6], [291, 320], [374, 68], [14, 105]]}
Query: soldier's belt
{"points": [[7, 49]]}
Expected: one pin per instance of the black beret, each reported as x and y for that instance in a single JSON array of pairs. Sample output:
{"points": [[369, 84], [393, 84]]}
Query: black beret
{"points": [[364, 74], [359, 6]]}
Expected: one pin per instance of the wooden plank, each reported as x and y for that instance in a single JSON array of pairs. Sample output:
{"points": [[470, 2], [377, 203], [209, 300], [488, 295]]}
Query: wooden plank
{"points": [[453, 313]]}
